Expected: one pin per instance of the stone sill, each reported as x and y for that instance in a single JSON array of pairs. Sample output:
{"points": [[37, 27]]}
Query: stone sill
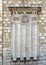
{"points": [[25, 60]]}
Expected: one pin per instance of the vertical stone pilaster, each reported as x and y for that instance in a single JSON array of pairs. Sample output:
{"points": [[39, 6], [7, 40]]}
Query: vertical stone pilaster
{"points": [[28, 40], [34, 30], [12, 37], [17, 52], [23, 41]]}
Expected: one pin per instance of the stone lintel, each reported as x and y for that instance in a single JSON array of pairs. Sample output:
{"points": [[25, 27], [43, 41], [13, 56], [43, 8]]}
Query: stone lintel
{"points": [[25, 9]]}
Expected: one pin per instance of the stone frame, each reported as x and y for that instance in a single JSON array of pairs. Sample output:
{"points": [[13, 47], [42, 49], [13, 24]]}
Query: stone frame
{"points": [[33, 10]]}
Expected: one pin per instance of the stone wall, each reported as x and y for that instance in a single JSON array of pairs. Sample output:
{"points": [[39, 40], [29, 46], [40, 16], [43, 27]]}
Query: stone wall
{"points": [[6, 34], [0, 32]]}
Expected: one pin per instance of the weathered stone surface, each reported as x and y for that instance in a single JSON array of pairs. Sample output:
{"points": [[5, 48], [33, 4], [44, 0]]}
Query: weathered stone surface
{"points": [[42, 31]]}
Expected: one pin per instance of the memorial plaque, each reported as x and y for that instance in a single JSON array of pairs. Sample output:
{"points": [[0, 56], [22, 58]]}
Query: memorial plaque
{"points": [[24, 37]]}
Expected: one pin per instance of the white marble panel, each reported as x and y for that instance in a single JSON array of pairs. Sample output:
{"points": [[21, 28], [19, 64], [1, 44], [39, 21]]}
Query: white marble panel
{"points": [[23, 40], [34, 40], [17, 47], [13, 39], [28, 40]]}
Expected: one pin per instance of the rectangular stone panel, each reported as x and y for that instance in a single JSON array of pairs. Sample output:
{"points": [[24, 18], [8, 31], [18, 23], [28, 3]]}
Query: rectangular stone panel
{"points": [[24, 39]]}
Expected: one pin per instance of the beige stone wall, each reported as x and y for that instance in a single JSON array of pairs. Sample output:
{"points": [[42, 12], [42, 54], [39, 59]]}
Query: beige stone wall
{"points": [[6, 30], [0, 32]]}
